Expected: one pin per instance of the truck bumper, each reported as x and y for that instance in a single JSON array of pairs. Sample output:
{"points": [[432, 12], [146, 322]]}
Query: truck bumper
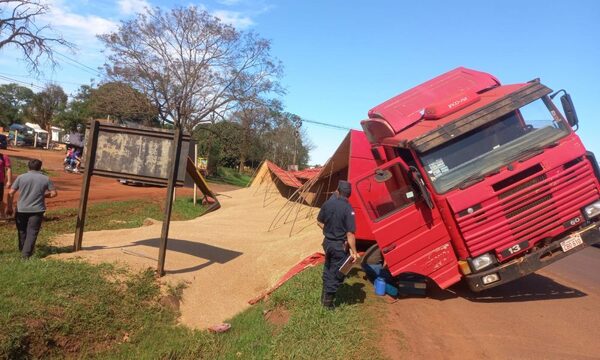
{"points": [[533, 261]]}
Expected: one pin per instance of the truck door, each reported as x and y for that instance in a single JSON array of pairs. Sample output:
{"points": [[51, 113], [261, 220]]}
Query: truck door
{"points": [[411, 236]]}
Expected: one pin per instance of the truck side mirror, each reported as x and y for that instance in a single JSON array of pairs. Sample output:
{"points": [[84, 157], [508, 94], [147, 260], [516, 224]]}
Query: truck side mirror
{"points": [[382, 175], [569, 110]]}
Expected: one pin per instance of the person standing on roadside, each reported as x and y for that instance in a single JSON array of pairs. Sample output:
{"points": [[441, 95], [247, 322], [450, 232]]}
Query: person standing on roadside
{"points": [[33, 187], [336, 218], [5, 180]]}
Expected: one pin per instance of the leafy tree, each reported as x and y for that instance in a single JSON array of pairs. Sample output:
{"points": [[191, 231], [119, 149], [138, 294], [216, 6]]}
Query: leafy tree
{"points": [[258, 133], [121, 101], [78, 110], [14, 100], [19, 29], [254, 119], [287, 144], [192, 67], [46, 105]]}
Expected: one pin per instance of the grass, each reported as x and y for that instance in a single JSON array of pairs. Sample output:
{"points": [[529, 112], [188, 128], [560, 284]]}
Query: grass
{"points": [[56, 309], [18, 166], [231, 177], [102, 216], [311, 331], [307, 332]]}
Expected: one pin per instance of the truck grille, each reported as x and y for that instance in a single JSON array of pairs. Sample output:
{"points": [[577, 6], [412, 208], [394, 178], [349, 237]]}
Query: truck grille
{"points": [[528, 206]]}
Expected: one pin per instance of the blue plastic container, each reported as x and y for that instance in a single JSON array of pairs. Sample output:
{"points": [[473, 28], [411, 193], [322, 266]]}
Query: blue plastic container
{"points": [[391, 290], [379, 286]]}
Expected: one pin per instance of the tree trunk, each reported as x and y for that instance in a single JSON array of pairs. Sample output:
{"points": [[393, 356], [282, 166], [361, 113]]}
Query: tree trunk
{"points": [[48, 136], [242, 161]]}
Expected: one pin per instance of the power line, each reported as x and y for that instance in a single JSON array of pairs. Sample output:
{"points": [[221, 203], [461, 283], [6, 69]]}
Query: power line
{"points": [[44, 79], [326, 124], [6, 78], [82, 66]]}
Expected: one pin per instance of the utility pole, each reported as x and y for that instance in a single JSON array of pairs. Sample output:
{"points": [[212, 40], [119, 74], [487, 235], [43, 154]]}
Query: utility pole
{"points": [[295, 146]]}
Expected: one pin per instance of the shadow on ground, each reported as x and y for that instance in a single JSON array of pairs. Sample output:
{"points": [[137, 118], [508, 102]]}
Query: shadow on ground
{"points": [[212, 254], [532, 287], [353, 293]]}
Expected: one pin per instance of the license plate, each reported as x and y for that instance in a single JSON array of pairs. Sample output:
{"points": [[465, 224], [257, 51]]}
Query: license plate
{"points": [[571, 243]]}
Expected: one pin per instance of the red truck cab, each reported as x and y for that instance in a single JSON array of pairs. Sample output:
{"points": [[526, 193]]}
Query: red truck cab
{"points": [[478, 180]]}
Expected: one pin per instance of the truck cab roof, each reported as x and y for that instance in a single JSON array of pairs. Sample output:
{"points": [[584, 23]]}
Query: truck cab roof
{"points": [[432, 105]]}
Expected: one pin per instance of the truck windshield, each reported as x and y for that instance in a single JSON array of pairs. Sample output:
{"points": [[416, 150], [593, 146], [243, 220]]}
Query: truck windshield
{"points": [[516, 135]]}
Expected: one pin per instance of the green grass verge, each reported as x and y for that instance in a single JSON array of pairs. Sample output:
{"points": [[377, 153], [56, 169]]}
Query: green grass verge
{"points": [[305, 331], [67, 309], [101, 216], [311, 332], [231, 177]]}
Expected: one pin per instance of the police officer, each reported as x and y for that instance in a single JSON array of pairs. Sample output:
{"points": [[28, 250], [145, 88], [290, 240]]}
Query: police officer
{"points": [[336, 218]]}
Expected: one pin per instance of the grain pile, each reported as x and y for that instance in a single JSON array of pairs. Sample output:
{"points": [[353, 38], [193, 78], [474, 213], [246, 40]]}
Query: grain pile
{"points": [[227, 257]]}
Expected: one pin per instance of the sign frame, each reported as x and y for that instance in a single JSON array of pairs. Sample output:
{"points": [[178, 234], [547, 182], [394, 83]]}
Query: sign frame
{"points": [[171, 181]]}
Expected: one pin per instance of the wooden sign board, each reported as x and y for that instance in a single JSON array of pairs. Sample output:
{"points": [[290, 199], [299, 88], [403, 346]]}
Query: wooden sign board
{"points": [[139, 154]]}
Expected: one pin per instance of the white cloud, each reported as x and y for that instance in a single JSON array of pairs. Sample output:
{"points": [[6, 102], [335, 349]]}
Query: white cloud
{"points": [[89, 24], [234, 18], [79, 28], [74, 25], [129, 7]]}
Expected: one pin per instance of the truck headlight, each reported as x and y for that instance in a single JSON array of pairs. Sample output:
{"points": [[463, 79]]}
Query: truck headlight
{"points": [[592, 210], [482, 261]]}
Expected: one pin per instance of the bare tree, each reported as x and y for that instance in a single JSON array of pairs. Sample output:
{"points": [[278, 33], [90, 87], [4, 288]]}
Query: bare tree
{"points": [[46, 105], [193, 67], [18, 28]]}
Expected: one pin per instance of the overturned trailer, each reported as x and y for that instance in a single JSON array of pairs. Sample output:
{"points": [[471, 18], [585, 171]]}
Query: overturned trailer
{"points": [[313, 187]]}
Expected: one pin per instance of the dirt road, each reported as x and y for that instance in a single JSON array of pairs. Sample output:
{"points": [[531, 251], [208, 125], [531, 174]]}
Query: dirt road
{"points": [[552, 314], [101, 189]]}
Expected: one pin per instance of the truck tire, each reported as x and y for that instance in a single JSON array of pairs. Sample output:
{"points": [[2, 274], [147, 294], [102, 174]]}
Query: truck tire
{"points": [[372, 256]]}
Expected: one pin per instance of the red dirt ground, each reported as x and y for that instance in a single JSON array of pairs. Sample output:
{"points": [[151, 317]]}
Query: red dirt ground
{"points": [[101, 189], [551, 314]]}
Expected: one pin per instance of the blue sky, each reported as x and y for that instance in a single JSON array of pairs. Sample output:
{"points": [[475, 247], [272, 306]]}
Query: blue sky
{"points": [[343, 57]]}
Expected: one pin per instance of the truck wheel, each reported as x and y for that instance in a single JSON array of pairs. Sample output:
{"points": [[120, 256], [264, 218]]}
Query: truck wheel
{"points": [[372, 256]]}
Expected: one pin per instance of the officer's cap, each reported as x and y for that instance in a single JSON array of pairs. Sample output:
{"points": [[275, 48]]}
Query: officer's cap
{"points": [[344, 188]]}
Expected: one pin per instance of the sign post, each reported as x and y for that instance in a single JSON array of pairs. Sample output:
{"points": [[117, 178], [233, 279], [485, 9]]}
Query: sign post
{"points": [[164, 235], [85, 187], [196, 165]]}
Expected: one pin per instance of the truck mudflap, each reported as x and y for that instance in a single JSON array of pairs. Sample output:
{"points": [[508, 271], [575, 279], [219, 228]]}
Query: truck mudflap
{"points": [[535, 260]]}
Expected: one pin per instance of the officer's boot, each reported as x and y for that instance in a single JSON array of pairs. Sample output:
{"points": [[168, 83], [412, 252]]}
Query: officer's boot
{"points": [[328, 301]]}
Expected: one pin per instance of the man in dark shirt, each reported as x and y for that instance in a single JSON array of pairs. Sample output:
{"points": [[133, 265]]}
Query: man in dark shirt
{"points": [[336, 218], [34, 187]]}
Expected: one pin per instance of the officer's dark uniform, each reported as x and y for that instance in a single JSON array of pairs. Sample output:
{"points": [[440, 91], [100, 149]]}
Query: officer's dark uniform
{"points": [[338, 218]]}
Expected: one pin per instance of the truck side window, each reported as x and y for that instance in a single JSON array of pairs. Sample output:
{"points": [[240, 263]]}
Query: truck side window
{"points": [[405, 155], [382, 198]]}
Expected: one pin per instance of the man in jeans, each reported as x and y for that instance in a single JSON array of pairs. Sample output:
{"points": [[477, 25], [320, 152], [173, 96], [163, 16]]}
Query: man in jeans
{"points": [[34, 187]]}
